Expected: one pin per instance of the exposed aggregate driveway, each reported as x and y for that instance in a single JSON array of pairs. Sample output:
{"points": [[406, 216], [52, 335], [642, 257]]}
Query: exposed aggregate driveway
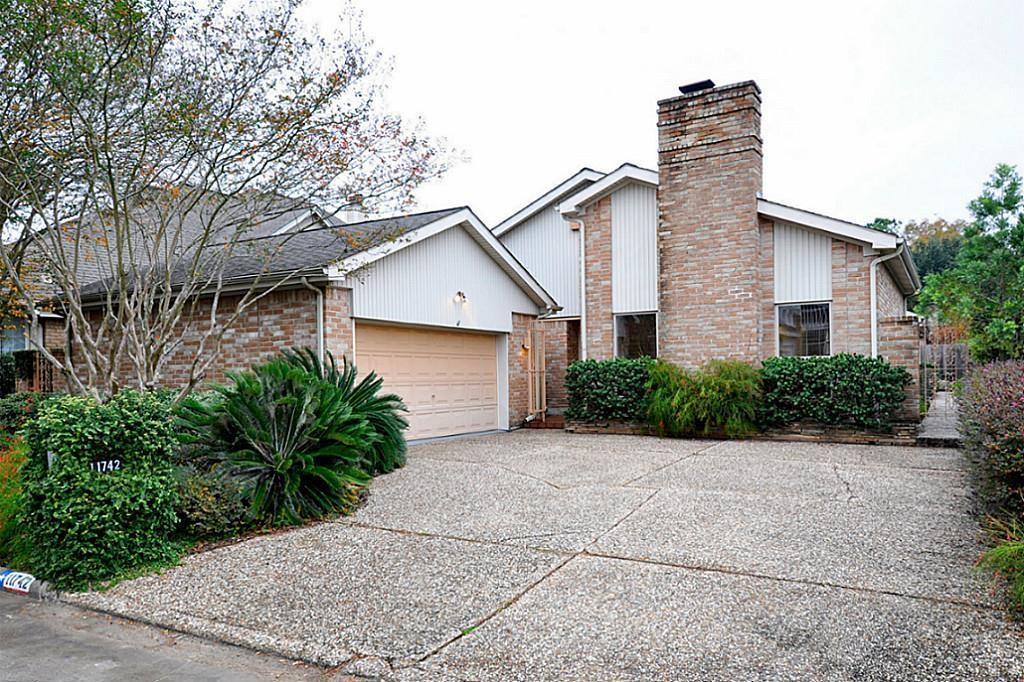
{"points": [[541, 555]]}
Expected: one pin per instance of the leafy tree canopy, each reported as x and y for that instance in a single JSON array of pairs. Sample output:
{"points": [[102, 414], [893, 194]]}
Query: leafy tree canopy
{"points": [[984, 290], [934, 244], [890, 225]]}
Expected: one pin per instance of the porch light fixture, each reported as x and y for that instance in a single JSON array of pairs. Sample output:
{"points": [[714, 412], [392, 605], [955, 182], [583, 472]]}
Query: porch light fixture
{"points": [[460, 297]]}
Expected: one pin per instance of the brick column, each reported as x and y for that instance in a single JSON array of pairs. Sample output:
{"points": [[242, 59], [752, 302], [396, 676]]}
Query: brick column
{"points": [[597, 220], [339, 329], [561, 348], [709, 242], [518, 368], [899, 342]]}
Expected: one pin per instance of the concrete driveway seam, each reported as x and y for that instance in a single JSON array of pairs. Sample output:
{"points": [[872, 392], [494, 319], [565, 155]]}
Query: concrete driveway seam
{"points": [[496, 465], [691, 455], [508, 603], [797, 581], [456, 538], [512, 601]]}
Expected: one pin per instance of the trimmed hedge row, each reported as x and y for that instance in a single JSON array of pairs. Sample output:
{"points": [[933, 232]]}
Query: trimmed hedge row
{"points": [[607, 390], [842, 389], [734, 397]]}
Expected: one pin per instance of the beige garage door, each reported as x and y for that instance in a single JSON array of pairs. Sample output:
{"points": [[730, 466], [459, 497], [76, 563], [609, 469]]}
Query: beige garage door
{"points": [[449, 380]]}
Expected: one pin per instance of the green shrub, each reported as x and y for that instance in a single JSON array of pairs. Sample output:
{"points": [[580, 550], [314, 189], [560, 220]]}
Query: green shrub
{"points": [[88, 526], [7, 377], [721, 397], [842, 389], [15, 410], [1006, 558], [13, 541], [607, 390], [992, 425], [210, 505], [386, 442], [290, 439]]}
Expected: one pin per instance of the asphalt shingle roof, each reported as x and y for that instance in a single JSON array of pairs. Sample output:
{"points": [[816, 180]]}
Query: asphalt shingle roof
{"points": [[300, 251]]}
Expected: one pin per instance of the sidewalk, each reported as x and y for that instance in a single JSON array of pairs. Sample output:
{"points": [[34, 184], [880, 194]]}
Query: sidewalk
{"points": [[941, 426]]}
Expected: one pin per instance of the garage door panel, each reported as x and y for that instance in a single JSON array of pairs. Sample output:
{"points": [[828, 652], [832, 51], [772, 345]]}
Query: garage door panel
{"points": [[448, 379]]}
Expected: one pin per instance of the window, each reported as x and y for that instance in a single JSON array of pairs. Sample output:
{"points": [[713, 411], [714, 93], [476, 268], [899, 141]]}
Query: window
{"points": [[12, 337], [804, 329], [636, 335]]}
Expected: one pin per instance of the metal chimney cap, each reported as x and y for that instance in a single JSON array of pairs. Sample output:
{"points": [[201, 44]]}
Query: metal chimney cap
{"points": [[697, 87]]}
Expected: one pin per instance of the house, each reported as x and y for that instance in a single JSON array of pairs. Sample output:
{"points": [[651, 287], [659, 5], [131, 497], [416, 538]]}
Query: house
{"points": [[442, 311], [689, 262], [474, 327]]}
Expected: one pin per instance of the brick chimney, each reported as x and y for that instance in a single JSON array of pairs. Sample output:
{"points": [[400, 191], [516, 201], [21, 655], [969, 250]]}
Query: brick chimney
{"points": [[709, 168]]}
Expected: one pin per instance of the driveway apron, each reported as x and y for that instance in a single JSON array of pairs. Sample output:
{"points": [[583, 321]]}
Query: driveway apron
{"points": [[553, 556]]}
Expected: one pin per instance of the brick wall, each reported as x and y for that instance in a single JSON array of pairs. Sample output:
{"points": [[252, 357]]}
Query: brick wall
{"points": [[597, 220], [279, 320], [899, 341], [518, 368], [709, 165], [851, 299], [561, 347], [768, 329], [891, 302]]}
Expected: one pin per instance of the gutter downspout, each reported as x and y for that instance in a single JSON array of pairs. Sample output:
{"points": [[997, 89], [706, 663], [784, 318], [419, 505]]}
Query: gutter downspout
{"points": [[583, 288], [874, 293], [319, 317]]}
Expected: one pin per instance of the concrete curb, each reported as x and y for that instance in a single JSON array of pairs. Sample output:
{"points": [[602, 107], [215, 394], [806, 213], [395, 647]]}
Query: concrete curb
{"points": [[37, 589]]}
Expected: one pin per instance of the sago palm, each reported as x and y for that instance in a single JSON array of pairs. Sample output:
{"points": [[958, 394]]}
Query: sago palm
{"points": [[292, 440], [382, 411]]}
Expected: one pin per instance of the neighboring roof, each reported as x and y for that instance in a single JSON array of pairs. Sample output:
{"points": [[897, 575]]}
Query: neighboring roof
{"points": [[584, 176], [842, 228], [337, 250], [623, 175]]}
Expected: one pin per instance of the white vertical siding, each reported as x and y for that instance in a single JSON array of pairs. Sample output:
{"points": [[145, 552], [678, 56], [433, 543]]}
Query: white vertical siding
{"points": [[634, 249], [803, 264], [417, 285], [550, 250]]}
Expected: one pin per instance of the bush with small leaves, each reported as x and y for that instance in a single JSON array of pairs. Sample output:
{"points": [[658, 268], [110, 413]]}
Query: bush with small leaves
{"points": [[607, 390], [99, 487], [842, 389]]}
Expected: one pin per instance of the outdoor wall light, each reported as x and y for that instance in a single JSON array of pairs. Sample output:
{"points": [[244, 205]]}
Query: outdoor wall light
{"points": [[460, 297]]}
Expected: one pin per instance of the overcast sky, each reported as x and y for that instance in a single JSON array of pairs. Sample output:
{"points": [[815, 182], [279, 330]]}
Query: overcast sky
{"points": [[870, 108]]}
